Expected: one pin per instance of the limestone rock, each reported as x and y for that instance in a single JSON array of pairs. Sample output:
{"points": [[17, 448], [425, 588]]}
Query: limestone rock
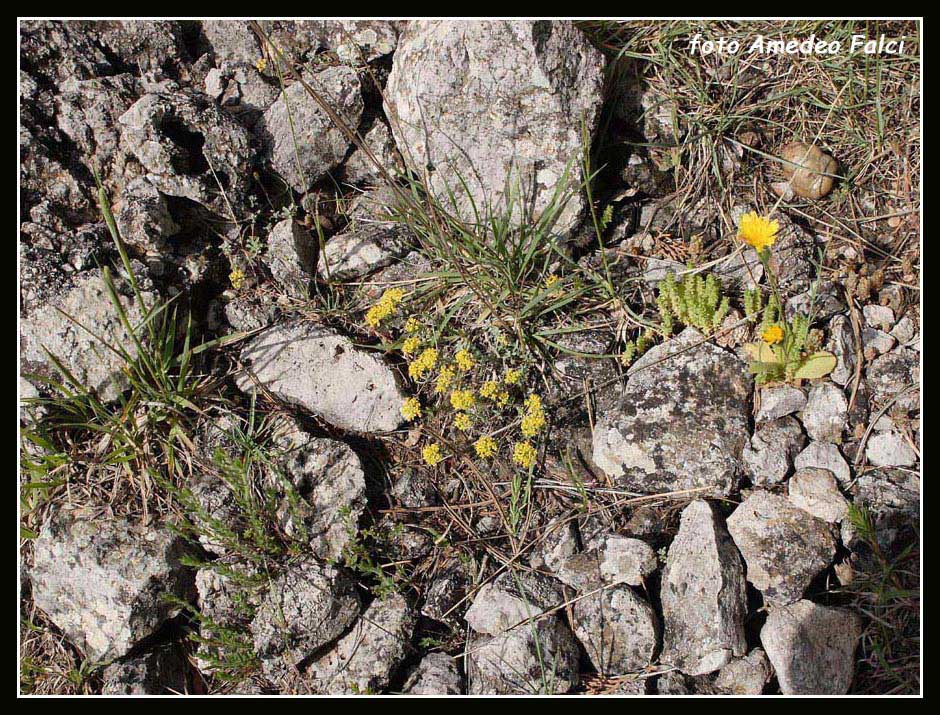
{"points": [[703, 594], [618, 629], [779, 401], [783, 546], [817, 492], [436, 674], [824, 415], [510, 599], [161, 671], [322, 372], [745, 676], [291, 256], [772, 449]]}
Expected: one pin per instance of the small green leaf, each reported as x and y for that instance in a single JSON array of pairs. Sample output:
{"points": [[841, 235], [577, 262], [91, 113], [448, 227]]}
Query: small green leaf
{"points": [[818, 364]]}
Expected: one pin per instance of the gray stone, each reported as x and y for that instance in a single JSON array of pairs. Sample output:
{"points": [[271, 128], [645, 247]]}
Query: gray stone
{"points": [[741, 270], [68, 327], [812, 648], [825, 455], [510, 599], [779, 401], [825, 412], [144, 219], [364, 659], [560, 541], [158, 672], [329, 477], [877, 316], [360, 169], [745, 676], [436, 674], [876, 342], [354, 42], [673, 683], [190, 148], [618, 629], [890, 449], [791, 259], [444, 596], [817, 492], [772, 449], [305, 154], [904, 330], [609, 559], [291, 256], [681, 422], [307, 607], [232, 40], [829, 299], [890, 490], [498, 103], [890, 374], [844, 345], [322, 371], [103, 581], [363, 249], [703, 594], [538, 658], [783, 546]]}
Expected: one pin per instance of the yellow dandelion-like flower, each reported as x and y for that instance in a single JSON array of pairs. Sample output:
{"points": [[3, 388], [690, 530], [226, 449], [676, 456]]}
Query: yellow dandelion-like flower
{"points": [[485, 447], [550, 280], [489, 390], [502, 399], [432, 454], [464, 359], [236, 278], [462, 421], [411, 408], [411, 345], [424, 363], [261, 64], [773, 335], [523, 454], [462, 399], [444, 380], [512, 376], [412, 325], [757, 231]]}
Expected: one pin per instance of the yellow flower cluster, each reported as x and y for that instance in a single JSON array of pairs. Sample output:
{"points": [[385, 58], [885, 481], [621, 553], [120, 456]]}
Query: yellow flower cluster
{"points": [[551, 280], [386, 307], [523, 454], [236, 278], [485, 447], [512, 376], [489, 390], [773, 335], [758, 232], [462, 421], [411, 345], [261, 64], [533, 420], [462, 399], [411, 408], [464, 360], [412, 326], [444, 380], [432, 454], [425, 362]]}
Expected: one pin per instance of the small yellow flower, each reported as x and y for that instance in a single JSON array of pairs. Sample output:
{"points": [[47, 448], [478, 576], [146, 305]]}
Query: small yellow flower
{"points": [[489, 390], [236, 278], [412, 326], [533, 403], [502, 399], [464, 360], [411, 345], [432, 454], [773, 335], [512, 376], [757, 231], [485, 447], [386, 306], [523, 454], [551, 280], [411, 408], [261, 64], [425, 362], [444, 380], [462, 421], [532, 424], [462, 399]]}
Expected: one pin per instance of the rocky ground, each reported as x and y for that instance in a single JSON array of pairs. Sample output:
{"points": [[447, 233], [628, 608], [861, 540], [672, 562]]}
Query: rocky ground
{"points": [[240, 472]]}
